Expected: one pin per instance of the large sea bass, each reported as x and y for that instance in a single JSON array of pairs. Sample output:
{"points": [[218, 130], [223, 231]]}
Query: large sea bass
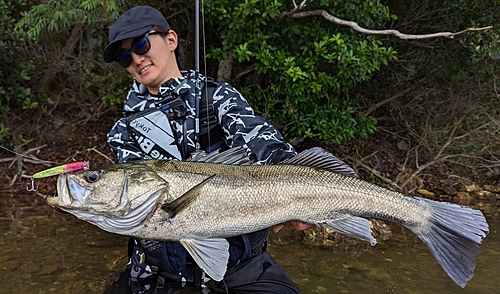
{"points": [[201, 202]]}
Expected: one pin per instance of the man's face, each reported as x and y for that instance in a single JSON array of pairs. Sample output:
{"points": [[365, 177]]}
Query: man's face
{"points": [[158, 64]]}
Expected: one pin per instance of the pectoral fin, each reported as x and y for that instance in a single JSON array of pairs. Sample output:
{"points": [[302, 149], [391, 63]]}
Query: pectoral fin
{"points": [[352, 226], [183, 202], [211, 255]]}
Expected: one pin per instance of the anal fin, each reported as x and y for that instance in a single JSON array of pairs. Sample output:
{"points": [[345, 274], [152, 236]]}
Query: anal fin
{"points": [[352, 226]]}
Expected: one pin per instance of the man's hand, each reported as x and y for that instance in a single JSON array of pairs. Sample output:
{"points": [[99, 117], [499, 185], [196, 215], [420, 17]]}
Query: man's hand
{"points": [[299, 226]]}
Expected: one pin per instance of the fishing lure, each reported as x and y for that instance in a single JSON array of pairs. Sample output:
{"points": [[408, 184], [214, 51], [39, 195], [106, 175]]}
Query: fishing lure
{"points": [[57, 170], [53, 171]]}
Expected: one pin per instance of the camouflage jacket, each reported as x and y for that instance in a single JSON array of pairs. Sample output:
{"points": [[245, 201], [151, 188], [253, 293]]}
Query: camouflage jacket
{"points": [[240, 125]]}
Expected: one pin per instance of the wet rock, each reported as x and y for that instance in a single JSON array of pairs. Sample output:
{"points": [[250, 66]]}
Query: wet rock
{"points": [[449, 190], [488, 207], [323, 267], [483, 194], [30, 267], [378, 275], [444, 197], [47, 269], [326, 238], [492, 188], [379, 229], [26, 276], [320, 290], [426, 193], [470, 187], [416, 182], [463, 198], [403, 145]]}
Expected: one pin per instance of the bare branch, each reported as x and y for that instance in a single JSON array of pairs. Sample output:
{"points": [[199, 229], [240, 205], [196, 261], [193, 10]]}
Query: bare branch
{"points": [[387, 100], [248, 69], [495, 86], [90, 149], [294, 14], [375, 172], [440, 157]]}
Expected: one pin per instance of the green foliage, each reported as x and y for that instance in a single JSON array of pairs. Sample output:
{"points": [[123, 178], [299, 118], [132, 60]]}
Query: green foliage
{"points": [[374, 179], [335, 123], [121, 79], [15, 87], [484, 52], [53, 16], [4, 131], [46, 42], [308, 64], [58, 19]]}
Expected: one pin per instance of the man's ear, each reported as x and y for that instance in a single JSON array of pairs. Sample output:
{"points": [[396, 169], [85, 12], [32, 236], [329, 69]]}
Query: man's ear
{"points": [[172, 40]]}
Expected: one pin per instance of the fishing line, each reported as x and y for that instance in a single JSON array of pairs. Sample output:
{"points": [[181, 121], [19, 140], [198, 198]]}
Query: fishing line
{"points": [[53, 171], [28, 188], [29, 157]]}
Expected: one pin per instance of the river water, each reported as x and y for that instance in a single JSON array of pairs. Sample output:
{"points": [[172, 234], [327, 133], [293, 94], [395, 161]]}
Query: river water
{"points": [[43, 251]]}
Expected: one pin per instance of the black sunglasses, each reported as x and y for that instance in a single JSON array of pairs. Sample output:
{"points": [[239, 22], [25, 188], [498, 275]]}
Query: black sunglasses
{"points": [[141, 46]]}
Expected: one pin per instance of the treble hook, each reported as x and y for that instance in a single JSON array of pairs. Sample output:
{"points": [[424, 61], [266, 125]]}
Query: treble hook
{"points": [[32, 189]]}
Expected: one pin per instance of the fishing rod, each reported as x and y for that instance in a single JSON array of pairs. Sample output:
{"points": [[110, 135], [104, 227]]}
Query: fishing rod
{"points": [[197, 72]]}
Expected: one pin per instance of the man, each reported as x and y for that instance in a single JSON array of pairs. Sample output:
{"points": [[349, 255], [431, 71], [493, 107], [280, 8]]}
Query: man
{"points": [[160, 114]]}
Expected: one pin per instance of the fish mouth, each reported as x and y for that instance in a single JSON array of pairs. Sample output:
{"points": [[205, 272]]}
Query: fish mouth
{"points": [[69, 193]]}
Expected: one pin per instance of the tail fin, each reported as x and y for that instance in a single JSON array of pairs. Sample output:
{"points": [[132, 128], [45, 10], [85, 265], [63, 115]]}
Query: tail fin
{"points": [[454, 238]]}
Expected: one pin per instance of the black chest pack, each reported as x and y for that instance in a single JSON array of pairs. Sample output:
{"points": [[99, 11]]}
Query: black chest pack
{"points": [[152, 128]]}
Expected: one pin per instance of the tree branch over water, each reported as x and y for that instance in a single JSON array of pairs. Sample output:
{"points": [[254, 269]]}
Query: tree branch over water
{"points": [[295, 14]]}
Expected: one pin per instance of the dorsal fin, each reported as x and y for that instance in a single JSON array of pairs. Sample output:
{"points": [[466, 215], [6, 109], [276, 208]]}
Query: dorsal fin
{"points": [[236, 156], [320, 158], [315, 157]]}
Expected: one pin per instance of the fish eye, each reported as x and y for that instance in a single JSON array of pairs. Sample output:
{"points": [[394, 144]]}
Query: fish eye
{"points": [[93, 176]]}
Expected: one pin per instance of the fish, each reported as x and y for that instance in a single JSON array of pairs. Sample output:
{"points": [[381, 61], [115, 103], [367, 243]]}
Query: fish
{"points": [[214, 196]]}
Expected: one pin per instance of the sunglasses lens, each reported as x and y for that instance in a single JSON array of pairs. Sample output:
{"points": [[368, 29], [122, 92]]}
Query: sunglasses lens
{"points": [[139, 47], [123, 57], [142, 46]]}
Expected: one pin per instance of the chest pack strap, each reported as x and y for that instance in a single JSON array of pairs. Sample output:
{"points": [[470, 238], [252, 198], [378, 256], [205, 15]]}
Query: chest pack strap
{"points": [[210, 130]]}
